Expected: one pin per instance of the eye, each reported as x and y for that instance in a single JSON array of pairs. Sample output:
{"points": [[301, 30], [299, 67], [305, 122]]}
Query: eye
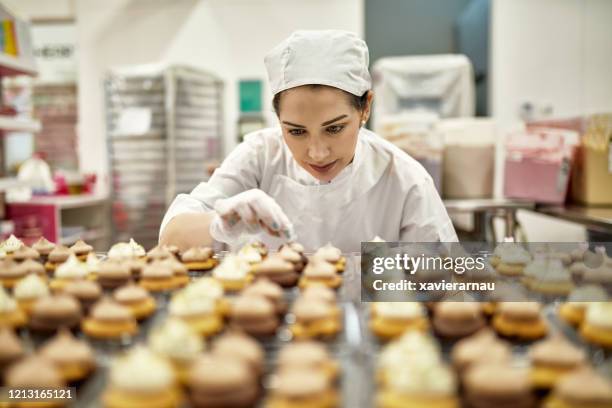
{"points": [[297, 132], [333, 129]]}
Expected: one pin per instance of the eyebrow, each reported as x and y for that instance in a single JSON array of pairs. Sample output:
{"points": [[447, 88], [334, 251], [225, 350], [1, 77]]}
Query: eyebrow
{"points": [[329, 122]]}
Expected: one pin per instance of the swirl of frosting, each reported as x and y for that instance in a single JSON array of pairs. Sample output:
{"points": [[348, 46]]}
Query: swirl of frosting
{"points": [[250, 254], [11, 244], [121, 251], [72, 269], [141, 370], [31, 287], [204, 287], [93, 263], [176, 340], [232, 267], [329, 253], [182, 306], [137, 249]]}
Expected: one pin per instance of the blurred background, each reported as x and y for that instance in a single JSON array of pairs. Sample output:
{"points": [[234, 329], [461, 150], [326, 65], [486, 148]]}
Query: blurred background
{"points": [[111, 108]]}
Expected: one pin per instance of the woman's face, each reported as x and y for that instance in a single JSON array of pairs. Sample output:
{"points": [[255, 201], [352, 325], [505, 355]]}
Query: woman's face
{"points": [[320, 127]]}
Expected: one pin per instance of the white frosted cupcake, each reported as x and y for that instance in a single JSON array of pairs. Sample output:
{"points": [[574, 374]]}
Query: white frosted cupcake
{"points": [[28, 290], [70, 271], [233, 273]]}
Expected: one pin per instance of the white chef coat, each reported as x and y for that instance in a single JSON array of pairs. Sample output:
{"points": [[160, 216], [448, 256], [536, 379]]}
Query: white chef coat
{"points": [[384, 192]]}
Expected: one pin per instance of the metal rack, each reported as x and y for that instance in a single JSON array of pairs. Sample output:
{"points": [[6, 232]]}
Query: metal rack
{"points": [[181, 110]]}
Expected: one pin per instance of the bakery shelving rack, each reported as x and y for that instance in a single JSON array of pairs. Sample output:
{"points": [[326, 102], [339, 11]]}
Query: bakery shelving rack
{"points": [[164, 124]]}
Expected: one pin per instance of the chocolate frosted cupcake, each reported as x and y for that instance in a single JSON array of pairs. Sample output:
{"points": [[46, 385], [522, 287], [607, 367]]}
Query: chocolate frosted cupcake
{"points": [[137, 299], [521, 320], [112, 274], [53, 312], [457, 319], [220, 381], [552, 359], [302, 388], [11, 349], [10, 273], [320, 272], [81, 249], [498, 386], [35, 372], [109, 320], [25, 252], [87, 292], [332, 255], [277, 270], [30, 266], [308, 355], [254, 315], [238, 345], [482, 347], [298, 259], [271, 291], [199, 259], [179, 271], [57, 256], [583, 388], [158, 277], [158, 254], [74, 358], [44, 248]]}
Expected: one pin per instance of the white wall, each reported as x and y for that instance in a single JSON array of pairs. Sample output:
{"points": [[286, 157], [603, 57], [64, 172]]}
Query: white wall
{"points": [[550, 52], [227, 37]]}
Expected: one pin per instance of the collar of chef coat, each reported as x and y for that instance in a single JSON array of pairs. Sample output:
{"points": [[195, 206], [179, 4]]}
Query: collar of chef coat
{"points": [[367, 166]]}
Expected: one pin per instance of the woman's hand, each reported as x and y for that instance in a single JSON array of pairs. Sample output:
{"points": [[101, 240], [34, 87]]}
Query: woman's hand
{"points": [[250, 212]]}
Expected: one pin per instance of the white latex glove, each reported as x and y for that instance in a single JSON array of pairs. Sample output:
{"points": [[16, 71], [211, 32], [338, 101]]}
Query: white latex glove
{"points": [[249, 212]]}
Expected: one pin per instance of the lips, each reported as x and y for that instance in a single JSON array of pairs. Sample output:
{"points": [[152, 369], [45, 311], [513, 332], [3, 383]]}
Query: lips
{"points": [[323, 169]]}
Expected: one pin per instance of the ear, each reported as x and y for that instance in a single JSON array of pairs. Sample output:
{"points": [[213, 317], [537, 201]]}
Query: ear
{"points": [[368, 108]]}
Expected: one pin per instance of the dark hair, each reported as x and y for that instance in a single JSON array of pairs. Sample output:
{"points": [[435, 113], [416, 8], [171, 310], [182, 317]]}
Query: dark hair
{"points": [[357, 102]]}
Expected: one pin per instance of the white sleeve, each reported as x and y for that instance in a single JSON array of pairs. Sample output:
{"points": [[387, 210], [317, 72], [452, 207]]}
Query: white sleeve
{"points": [[240, 171], [424, 217]]}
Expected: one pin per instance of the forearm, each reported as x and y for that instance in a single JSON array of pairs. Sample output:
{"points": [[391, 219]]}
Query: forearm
{"points": [[188, 230]]}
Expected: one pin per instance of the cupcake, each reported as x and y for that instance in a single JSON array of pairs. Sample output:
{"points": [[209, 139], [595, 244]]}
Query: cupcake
{"points": [[28, 290], [232, 273], [271, 291], [81, 249], [25, 252], [51, 313], [141, 379], [583, 388], [57, 256], [389, 320], [11, 349], [260, 247], [44, 248], [597, 326], [332, 255], [122, 251], [179, 271], [314, 320], [298, 259], [548, 277], [177, 342], [158, 277], [136, 266], [209, 288], [255, 315], [512, 260], [552, 359], [109, 320], [199, 259], [69, 271], [277, 270], [482, 347], [240, 346], [137, 299], [93, 263], [10, 314], [320, 272], [10, 273], [522, 320], [322, 294], [11, 245], [73, 358], [250, 255], [158, 254], [498, 385], [302, 388], [572, 311], [219, 381], [30, 266], [420, 385], [87, 292], [35, 372], [113, 274], [308, 355], [457, 319], [199, 313]]}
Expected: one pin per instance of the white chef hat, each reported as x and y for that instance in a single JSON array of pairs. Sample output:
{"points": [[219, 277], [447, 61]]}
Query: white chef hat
{"points": [[326, 57]]}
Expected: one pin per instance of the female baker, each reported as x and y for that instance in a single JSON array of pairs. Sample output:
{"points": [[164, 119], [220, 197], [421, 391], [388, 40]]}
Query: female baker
{"points": [[319, 176]]}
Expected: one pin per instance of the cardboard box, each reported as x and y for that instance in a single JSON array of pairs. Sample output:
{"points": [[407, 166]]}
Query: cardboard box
{"points": [[592, 176]]}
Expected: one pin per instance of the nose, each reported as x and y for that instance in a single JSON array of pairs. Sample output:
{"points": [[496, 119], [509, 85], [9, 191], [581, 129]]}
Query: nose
{"points": [[318, 151]]}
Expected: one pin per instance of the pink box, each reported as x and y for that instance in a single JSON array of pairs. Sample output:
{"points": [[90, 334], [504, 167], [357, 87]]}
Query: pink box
{"points": [[538, 164]]}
